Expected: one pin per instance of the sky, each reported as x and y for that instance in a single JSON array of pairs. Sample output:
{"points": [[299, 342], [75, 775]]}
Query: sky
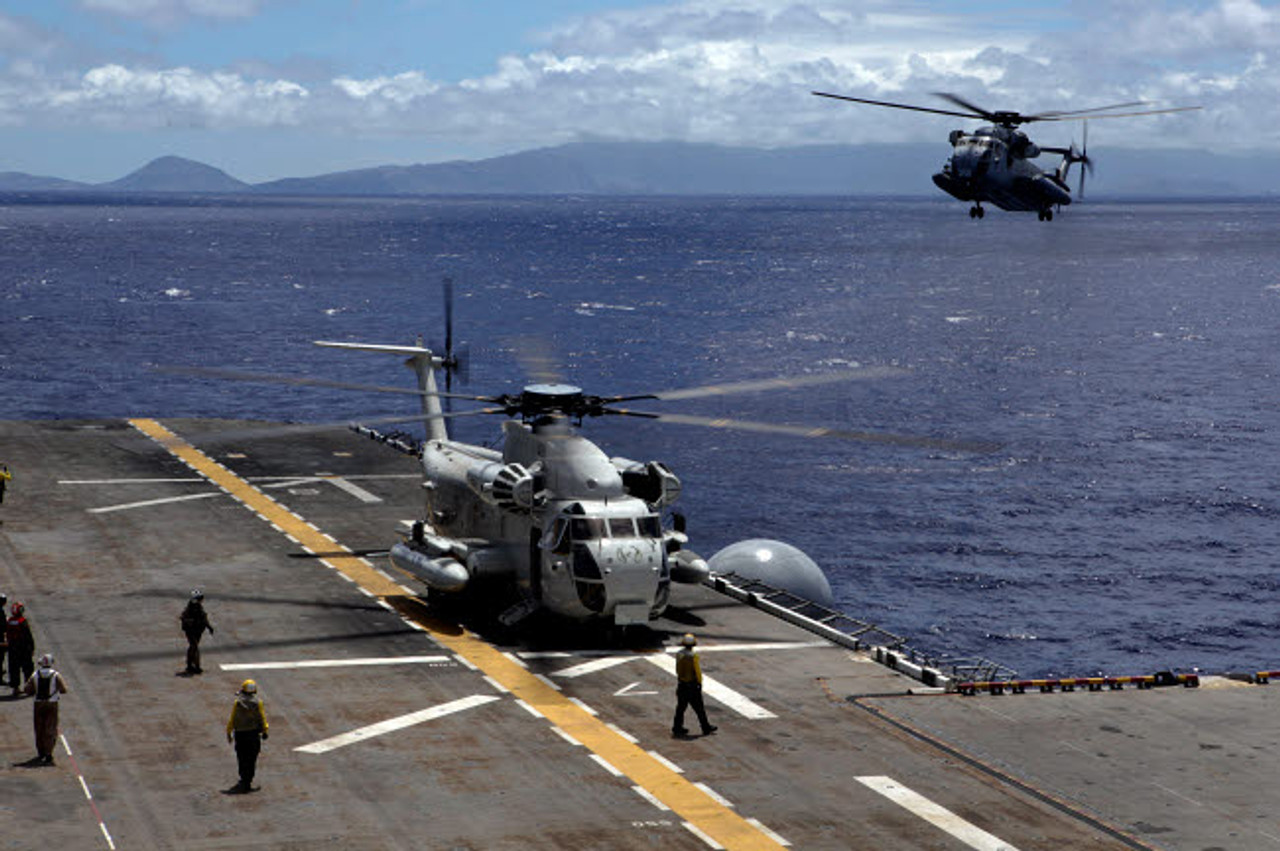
{"points": [[264, 89]]}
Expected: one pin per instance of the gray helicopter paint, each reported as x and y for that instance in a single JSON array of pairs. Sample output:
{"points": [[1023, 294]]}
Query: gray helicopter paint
{"points": [[993, 163]]}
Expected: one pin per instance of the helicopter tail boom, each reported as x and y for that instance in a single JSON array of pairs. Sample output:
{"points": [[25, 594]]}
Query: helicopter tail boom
{"points": [[422, 361]]}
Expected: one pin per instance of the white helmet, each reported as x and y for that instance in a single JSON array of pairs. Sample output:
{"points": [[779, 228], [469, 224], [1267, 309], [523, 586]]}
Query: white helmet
{"points": [[46, 661]]}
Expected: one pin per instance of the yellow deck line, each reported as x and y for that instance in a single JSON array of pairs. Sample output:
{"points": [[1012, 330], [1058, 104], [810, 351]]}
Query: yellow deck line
{"points": [[695, 806]]}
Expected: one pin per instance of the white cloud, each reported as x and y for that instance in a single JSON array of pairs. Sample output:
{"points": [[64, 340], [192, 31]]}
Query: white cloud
{"points": [[116, 96], [738, 72]]}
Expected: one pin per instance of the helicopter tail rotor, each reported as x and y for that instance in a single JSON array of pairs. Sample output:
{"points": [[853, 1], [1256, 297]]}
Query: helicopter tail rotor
{"points": [[453, 362]]}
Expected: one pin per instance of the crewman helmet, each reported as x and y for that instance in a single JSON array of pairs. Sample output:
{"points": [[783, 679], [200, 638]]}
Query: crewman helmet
{"points": [[197, 594], [249, 687], [46, 661], [3, 598], [18, 608], [689, 640]]}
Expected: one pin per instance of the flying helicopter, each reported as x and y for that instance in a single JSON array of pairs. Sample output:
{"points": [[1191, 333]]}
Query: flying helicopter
{"points": [[993, 163]]}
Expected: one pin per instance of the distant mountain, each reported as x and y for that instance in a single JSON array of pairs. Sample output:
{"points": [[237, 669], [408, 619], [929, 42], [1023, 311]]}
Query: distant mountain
{"points": [[679, 168], [647, 168], [176, 174], [16, 181]]}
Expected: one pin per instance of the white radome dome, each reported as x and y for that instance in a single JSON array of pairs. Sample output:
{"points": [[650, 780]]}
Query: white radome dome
{"points": [[777, 564]]}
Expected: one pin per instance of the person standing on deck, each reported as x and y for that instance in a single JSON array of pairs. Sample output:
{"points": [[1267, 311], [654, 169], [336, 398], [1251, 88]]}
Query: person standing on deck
{"points": [[689, 689], [22, 647], [247, 728], [46, 685], [194, 622]]}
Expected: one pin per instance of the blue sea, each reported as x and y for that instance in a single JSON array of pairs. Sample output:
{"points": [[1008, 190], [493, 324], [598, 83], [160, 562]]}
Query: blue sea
{"points": [[1123, 358]]}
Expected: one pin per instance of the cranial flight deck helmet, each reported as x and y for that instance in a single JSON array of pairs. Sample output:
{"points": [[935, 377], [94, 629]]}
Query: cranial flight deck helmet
{"points": [[688, 640]]}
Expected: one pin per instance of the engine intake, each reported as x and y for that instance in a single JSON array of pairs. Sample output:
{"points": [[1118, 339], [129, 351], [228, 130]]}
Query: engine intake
{"points": [[508, 486]]}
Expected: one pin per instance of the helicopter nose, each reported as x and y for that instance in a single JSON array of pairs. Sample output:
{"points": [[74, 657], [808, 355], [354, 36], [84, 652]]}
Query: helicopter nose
{"points": [[632, 570]]}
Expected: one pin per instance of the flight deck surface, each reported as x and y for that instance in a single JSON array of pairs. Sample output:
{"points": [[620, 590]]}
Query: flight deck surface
{"points": [[394, 728]]}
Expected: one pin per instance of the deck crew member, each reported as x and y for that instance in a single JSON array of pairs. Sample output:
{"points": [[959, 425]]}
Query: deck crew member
{"points": [[247, 728], [689, 688], [5, 476], [46, 684], [194, 622], [22, 647], [4, 634]]}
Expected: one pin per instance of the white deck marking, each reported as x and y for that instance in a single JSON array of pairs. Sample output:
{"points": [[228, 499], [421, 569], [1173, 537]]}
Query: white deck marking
{"points": [[720, 692], [648, 796], [594, 665], [668, 763], [630, 691], [147, 503], [711, 843], [714, 795], [938, 816], [337, 663], [758, 825], [392, 724], [702, 648], [355, 490]]}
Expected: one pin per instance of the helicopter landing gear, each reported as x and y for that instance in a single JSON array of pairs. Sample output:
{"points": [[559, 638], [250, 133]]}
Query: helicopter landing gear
{"points": [[1045, 215], [976, 212]]}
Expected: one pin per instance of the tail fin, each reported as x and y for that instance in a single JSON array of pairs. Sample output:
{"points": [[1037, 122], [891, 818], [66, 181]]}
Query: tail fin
{"points": [[1073, 155], [425, 363]]}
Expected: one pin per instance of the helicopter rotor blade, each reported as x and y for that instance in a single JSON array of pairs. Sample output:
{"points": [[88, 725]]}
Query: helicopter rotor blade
{"points": [[899, 105], [1058, 114], [777, 383], [292, 429], [302, 381], [973, 107], [812, 432], [537, 359], [1125, 114]]}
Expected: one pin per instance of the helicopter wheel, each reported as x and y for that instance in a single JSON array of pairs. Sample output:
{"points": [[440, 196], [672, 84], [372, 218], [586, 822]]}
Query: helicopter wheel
{"points": [[973, 212], [1048, 215]]}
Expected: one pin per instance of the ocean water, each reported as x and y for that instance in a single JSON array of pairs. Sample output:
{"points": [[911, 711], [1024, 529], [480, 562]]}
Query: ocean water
{"points": [[1123, 358]]}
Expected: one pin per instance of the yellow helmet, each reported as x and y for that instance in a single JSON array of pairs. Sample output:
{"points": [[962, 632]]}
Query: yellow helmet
{"points": [[249, 687], [688, 640]]}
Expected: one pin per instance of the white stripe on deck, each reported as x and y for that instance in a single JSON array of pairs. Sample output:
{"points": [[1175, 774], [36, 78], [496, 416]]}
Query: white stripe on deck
{"points": [[594, 665], [940, 817], [337, 663], [393, 724], [353, 489], [107, 509], [717, 690]]}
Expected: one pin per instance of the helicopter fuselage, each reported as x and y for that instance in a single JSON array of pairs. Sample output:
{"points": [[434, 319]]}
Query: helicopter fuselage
{"points": [[993, 165], [578, 532]]}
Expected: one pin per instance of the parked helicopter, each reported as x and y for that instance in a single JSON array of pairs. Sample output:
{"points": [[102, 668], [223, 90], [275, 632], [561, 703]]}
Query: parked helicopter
{"points": [[573, 531], [993, 162], [579, 532]]}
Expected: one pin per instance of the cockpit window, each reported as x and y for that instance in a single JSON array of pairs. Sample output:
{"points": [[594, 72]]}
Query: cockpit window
{"points": [[587, 528], [622, 527], [650, 526]]}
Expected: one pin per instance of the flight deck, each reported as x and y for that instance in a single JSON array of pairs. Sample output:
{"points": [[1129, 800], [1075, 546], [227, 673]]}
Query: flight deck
{"points": [[394, 726]]}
